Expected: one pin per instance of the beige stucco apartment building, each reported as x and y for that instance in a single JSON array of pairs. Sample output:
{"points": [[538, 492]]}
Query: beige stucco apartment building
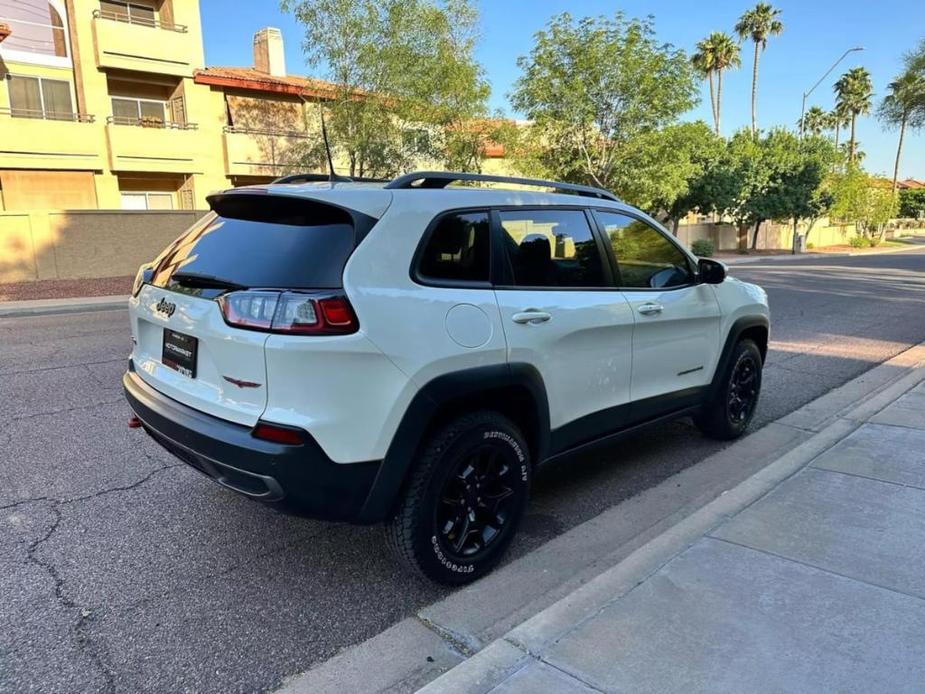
{"points": [[107, 104]]}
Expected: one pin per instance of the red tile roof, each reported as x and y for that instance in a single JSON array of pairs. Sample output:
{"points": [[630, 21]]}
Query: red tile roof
{"points": [[248, 78], [254, 80], [910, 183]]}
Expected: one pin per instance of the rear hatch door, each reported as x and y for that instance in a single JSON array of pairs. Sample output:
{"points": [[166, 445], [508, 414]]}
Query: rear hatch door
{"points": [[183, 346]]}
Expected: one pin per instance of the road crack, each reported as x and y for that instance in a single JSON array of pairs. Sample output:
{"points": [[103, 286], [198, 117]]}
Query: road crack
{"points": [[83, 616]]}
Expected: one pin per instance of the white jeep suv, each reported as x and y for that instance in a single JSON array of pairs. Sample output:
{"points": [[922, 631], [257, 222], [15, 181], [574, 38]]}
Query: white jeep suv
{"points": [[409, 352]]}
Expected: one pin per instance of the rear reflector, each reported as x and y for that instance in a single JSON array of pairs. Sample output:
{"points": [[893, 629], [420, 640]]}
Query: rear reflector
{"points": [[277, 434], [292, 313], [134, 423]]}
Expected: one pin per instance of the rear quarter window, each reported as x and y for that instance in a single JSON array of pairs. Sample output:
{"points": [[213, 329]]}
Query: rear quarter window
{"points": [[458, 249]]}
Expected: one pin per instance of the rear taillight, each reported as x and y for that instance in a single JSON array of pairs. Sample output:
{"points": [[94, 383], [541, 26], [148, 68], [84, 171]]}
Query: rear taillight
{"points": [[290, 313]]}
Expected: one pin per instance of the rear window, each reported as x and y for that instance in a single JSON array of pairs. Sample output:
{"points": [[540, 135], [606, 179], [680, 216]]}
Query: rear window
{"points": [[261, 241]]}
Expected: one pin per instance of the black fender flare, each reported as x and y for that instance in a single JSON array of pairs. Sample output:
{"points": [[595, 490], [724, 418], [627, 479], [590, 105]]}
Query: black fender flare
{"points": [[425, 407], [732, 338]]}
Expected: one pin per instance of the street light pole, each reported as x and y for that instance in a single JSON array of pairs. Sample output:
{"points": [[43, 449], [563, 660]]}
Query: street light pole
{"points": [[827, 73]]}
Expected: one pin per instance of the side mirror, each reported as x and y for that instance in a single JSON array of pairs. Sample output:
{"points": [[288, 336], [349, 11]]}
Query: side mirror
{"points": [[711, 271]]}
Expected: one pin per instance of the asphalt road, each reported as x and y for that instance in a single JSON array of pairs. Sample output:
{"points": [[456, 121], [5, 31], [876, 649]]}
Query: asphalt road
{"points": [[123, 570]]}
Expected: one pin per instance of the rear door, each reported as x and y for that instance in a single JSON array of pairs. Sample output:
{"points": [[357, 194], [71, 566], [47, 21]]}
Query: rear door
{"points": [[676, 337], [562, 315], [183, 346]]}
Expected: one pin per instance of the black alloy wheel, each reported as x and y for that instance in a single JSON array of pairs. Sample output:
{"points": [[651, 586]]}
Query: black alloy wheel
{"points": [[743, 389], [475, 502]]}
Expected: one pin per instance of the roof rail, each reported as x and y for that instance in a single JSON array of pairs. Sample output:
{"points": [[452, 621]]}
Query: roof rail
{"points": [[441, 179], [326, 178]]}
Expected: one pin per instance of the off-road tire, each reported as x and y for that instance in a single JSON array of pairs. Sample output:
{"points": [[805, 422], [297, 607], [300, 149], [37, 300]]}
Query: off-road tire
{"points": [[413, 532], [718, 419]]}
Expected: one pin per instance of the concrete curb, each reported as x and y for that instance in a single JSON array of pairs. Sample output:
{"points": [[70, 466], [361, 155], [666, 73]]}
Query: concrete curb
{"points": [[49, 307], [516, 608]]}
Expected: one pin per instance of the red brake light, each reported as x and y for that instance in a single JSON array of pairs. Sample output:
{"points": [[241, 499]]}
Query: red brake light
{"points": [[293, 313], [277, 434], [336, 311]]}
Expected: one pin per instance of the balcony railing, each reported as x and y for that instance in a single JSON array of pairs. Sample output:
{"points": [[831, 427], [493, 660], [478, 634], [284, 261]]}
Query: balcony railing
{"points": [[151, 123], [140, 21], [47, 115], [258, 131], [34, 37]]}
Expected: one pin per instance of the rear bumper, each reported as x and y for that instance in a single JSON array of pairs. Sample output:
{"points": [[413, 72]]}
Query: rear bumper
{"points": [[297, 479]]}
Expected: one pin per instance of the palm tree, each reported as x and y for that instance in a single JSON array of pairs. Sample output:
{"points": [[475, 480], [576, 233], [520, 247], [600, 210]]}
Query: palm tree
{"points": [[725, 57], [854, 92], [758, 23], [815, 121], [903, 107], [705, 65], [716, 53], [838, 118]]}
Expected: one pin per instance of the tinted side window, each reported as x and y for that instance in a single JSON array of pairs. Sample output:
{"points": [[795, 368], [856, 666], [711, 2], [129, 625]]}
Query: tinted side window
{"points": [[645, 257], [459, 249], [551, 248]]}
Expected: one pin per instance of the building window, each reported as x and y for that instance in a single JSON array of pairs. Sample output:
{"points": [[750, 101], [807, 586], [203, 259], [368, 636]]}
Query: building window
{"points": [[147, 201], [38, 29], [127, 111], [131, 12], [37, 97]]}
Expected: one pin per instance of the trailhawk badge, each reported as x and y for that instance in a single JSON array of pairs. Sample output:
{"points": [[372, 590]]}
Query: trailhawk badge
{"points": [[165, 307]]}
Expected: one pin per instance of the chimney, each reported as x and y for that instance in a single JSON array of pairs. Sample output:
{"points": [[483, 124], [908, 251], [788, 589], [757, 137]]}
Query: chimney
{"points": [[268, 52]]}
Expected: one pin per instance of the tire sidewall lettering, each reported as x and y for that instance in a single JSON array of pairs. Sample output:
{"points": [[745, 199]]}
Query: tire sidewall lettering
{"points": [[515, 446]]}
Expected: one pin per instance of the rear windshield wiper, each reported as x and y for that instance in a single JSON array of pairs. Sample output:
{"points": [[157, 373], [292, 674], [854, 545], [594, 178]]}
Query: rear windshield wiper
{"points": [[196, 279]]}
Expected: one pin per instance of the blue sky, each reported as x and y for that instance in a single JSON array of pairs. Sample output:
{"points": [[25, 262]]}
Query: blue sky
{"points": [[816, 32]]}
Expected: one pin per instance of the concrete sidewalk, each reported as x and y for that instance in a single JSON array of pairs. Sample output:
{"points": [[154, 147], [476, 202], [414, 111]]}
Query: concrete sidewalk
{"points": [[808, 576], [912, 242]]}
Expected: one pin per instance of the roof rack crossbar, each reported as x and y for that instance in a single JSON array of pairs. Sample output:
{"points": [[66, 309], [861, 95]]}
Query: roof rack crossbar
{"points": [[441, 179]]}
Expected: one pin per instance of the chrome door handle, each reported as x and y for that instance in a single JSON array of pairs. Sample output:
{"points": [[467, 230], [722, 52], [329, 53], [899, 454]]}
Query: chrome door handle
{"points": [[531, 316], [650, 309]]}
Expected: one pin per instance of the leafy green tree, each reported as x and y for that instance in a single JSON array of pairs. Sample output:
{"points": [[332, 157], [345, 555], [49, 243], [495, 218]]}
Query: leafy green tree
{"points": [[690, 153], [802, 188], [862, 200], [912, 203], [758, 24], [854, 93], [815, 121], [768, 178], [661, 165], [395, 64], [904, 108], [591, 87]]}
